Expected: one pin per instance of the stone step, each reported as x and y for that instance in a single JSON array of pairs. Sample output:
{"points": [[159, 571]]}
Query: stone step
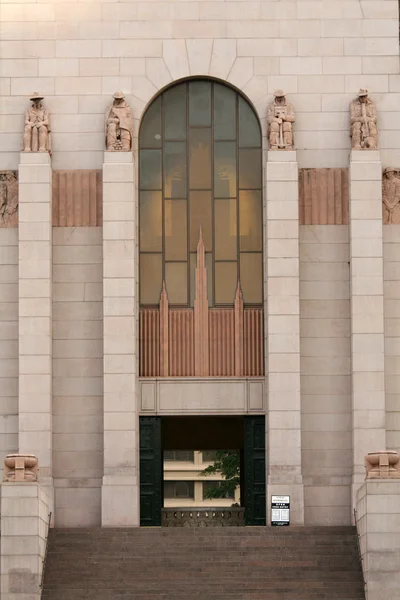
{"points": [[309, 563]]}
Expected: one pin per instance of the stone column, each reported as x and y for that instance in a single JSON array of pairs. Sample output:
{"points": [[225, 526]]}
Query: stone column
{"points": [[35, 311], [120, 491], [367, 316], [283, 332], [24, 525], [378, 524]]}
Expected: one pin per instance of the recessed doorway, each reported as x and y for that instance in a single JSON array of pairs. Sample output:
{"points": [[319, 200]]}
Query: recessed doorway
{"points": [[176, 454]]}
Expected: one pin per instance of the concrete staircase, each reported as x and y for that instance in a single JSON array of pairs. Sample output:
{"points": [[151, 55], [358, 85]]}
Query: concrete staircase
{"points": [[308, 563]]}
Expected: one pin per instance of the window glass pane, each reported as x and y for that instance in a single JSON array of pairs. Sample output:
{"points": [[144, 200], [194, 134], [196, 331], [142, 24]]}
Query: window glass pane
{"points": [[212, 485], [225, 169], [179, 455], [249, 128], [175, 230], [169, 489], [200, 159], [250, 220], [199, 103], [251, 277], [225, 229], [150, 278], [209, 267], [150, 222], [176, 282], [249, 169], [175, 113], [150, 131], [175, 170], [200, 216], [224, 113], [209, 455], [184, 489], [150, 169], [226, 279]]}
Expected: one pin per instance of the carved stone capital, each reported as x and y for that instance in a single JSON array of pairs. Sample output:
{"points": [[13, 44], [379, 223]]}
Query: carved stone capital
{"points": [[20, 468], [384, 464]]}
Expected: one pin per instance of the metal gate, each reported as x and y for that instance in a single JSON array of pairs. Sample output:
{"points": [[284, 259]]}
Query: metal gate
{"points": [[254, 471], [151, 471]]}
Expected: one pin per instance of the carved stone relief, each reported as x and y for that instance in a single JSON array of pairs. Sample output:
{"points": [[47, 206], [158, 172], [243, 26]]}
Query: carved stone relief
{"points": [[119, 125], [382, 465], [280, 119], [391, 196], [20, 468], [37, 136], [8, 199], [363, 129]]}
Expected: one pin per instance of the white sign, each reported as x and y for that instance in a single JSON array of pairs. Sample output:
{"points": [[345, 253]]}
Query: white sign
{"points": [[280, 510]]}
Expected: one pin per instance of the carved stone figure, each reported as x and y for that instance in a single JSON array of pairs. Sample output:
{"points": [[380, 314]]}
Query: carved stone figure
{"points": [[280, 118], [364, 132], [382, 465], [20, 468], [119, 125], [37, 137], [391, 195], [8, 199]]}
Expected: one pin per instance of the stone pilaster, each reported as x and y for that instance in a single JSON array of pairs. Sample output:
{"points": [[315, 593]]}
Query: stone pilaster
{"points": [[24, 524], [120, 491], [35, 311], [378, 524], [283, 331], [367, 316]]}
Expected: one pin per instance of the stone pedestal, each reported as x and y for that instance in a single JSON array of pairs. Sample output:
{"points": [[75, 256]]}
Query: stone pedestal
{"points": [[35, 311], [283, 332], [120, 490], [24, 525], [367, 317], [378, 514]]}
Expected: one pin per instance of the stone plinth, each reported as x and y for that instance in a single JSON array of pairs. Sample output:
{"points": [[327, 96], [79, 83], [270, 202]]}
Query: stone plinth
{"points": [[367, 312], [378, 515], [35, 311], [120, 490], [24, 525], [283, 331]]}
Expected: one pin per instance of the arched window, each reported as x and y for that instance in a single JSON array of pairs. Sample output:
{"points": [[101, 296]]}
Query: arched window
{"points": [[200, 169]]}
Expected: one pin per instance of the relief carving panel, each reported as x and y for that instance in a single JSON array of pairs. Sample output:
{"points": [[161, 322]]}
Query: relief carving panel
{"points": [[8, 199]]}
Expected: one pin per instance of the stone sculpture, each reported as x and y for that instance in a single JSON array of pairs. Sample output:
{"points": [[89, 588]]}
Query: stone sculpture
{"points": [[20, 468], [37, 137], [391, 195], [8, 198], [364, 132], [280, 118], [119, 125], [382, 465]]}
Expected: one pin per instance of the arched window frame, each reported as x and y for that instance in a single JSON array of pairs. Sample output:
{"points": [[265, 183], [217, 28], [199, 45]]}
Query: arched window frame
{"points": [[211, 260]]}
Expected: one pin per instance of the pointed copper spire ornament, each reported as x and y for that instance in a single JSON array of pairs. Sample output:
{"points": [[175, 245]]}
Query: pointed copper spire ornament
{"points": [[201, 347]]}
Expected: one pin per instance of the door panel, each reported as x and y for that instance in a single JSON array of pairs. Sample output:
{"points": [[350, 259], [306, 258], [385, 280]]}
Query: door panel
{"points": [[151, 475], [254, 470]]}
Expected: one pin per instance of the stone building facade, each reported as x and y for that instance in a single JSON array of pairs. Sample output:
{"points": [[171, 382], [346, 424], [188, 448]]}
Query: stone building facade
{"points": [[72, 385]]}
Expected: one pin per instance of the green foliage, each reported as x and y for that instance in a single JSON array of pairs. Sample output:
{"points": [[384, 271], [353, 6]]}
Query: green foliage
{"points": [[226, 463]]}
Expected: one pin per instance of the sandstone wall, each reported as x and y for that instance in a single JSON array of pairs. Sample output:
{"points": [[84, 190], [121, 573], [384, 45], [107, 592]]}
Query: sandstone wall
{"points": [[8, 342], [77, 375], [391, 272], [78, 53], [325, 373]]}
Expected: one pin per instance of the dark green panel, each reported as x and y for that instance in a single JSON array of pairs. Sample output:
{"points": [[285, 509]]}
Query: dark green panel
{"points": [[151, 474], [254, 470]]}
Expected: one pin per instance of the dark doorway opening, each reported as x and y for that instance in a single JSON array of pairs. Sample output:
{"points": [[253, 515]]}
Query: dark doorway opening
{"points": [[176, 438]]}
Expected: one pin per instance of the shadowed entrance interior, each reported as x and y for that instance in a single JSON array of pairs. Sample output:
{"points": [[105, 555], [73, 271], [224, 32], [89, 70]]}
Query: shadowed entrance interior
{"points": [[243, 433]]}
